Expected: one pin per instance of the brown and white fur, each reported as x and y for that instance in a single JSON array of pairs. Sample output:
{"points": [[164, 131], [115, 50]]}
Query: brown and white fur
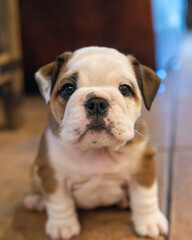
{"points": [[87, 159]]}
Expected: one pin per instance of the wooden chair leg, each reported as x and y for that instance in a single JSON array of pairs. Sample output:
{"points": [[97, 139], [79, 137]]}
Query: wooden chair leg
{"points": [[12, 106]]}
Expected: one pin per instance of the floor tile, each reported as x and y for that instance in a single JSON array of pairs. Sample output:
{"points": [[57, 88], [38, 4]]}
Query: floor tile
{"points": [[181, 197]]}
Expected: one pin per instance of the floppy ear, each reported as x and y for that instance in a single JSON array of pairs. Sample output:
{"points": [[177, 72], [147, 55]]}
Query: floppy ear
{"points": [[148, 81], [46, 76]]}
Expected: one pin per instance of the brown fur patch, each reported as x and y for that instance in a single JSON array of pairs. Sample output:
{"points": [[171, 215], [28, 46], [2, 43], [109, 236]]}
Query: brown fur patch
{"points": [[44, 169], [57, 104], [59, 65], [141, 132], [146, 174]]}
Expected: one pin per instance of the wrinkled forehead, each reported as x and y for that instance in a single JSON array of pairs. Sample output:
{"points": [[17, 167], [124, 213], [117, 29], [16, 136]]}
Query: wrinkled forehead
{"points": [[101, 67]]}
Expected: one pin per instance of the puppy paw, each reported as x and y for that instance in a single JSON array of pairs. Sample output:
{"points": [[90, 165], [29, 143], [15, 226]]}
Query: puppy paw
{"points": [[150, 225], [34, 202], [63, 228]]}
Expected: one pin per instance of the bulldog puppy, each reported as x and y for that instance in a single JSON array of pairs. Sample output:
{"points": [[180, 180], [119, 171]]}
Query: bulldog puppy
{"points": [[95, 151]]}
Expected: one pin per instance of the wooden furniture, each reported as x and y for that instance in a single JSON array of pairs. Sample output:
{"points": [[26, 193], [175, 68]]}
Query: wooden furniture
{"points": [[49, 28], [11, 73]]}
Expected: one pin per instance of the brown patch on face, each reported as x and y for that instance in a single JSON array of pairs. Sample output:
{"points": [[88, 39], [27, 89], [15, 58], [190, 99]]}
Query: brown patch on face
{"points": [[146, 174], [57, 105], [61, 62], [57, 102], [136, 97], [44, 169]]}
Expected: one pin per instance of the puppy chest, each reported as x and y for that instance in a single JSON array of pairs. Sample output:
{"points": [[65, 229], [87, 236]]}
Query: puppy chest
{"points": [[98, 191]]}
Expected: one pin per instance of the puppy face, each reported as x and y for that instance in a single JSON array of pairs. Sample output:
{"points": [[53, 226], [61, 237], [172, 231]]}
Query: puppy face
{"points": [[95, 97]]}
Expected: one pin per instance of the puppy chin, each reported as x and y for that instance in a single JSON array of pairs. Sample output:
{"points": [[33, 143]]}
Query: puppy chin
{"points": [[92, 139], [96, 139]]}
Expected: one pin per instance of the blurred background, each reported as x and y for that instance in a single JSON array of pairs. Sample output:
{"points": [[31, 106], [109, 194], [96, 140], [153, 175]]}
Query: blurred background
{"points": [[156, 32], [33, 33]]}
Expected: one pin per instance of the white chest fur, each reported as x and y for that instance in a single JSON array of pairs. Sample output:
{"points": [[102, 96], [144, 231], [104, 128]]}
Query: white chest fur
{"points": [[95, 177]]}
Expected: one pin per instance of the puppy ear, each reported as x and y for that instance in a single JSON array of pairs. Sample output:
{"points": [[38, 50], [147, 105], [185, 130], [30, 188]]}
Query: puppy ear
{"points": [[44, 80], [148, 81], [46, 76]]}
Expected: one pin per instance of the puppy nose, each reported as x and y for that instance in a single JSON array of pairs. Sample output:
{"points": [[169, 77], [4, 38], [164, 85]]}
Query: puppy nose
{"points": [[97, 106]]}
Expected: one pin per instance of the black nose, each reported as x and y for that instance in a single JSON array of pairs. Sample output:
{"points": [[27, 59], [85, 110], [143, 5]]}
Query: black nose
{"points": [[97, 106]]}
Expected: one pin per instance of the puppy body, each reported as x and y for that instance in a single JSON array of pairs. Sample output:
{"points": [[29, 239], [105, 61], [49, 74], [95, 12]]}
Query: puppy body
{"points": [[95, 177], [94, 149]]}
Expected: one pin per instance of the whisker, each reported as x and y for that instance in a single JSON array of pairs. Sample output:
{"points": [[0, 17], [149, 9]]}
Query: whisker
{"points": [[140, 134]]}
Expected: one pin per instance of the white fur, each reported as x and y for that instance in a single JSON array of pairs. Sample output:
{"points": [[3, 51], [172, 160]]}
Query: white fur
{"points": [[99, 57], [148, 219], [62, 220]]}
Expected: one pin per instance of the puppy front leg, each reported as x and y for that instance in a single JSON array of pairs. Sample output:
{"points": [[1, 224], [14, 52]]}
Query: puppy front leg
{"points": [[62, 217], [147, 218]]}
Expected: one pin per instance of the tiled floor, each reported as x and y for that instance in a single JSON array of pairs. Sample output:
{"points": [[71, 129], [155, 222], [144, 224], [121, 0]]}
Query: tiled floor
{"points": [[171, 131]]}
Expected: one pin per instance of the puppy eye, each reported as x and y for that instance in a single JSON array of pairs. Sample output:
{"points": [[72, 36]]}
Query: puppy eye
{"points": [[126, 90], [67, 90]]}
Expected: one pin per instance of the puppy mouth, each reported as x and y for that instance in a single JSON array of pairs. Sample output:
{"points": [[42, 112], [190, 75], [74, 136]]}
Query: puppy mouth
{"points": [[97, 125], [97, 128]]}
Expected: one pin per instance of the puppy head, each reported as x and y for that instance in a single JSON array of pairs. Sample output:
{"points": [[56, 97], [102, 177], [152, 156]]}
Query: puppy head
{"points": [[95, 95]]}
